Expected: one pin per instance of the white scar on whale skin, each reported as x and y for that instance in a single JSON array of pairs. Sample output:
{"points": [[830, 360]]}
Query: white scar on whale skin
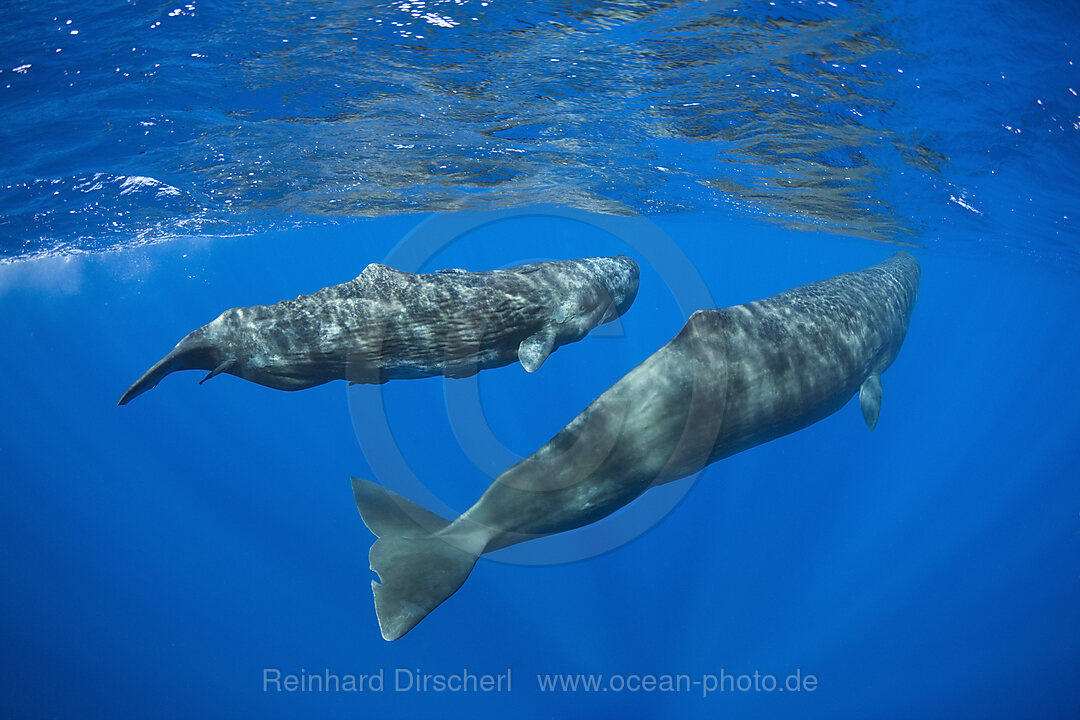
{"points": [[386, 324], [731, 379]]}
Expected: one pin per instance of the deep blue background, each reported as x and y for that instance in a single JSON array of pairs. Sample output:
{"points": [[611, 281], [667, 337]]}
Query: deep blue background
{"points": [[157, 557]]}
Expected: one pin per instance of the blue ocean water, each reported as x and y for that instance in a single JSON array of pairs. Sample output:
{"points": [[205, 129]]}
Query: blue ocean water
{"points": [[165, 162]]}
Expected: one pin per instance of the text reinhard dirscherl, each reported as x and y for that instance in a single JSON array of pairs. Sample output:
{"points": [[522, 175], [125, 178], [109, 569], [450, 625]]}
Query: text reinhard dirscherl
{"points": [[466, 681], [396, 680]]}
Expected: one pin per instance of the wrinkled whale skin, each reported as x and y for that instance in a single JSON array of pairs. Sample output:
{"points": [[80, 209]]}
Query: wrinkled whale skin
{"points": [[387, 324], [732, 378]]}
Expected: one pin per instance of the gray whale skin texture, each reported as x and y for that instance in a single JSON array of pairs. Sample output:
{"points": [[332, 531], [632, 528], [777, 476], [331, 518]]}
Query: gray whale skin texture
{"points": [[731, 379], [388, 324]]}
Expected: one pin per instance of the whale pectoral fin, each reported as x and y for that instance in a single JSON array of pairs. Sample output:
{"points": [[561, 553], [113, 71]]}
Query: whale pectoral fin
{"points": [[870, 400], [417, 569], [534, 350], [219, 369]]}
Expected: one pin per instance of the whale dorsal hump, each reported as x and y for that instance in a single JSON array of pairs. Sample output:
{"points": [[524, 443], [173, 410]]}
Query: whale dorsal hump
{"points": [[378, 269], [377, 275]]}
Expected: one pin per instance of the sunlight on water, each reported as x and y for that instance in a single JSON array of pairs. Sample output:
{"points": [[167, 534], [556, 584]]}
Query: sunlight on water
{"points": [[775, 109], [817, 115]]}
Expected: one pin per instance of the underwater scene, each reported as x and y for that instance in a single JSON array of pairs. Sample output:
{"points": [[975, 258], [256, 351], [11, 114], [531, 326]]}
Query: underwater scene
{"points": [[634, 358]]}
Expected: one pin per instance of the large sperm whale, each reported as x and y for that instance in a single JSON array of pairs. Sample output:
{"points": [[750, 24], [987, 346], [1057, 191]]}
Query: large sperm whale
{"points": [[731, 379], [387, 324]]}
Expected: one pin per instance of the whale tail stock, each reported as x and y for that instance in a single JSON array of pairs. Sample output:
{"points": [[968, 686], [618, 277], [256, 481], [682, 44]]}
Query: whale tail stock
{"points": [[189, 354], [420, 561]]}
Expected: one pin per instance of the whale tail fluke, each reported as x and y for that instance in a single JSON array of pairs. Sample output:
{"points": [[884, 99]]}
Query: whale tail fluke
{"points": [[189, 354], [418, 557]]}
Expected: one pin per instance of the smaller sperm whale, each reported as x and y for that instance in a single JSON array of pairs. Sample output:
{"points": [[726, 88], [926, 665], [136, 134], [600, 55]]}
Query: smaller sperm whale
{"points": [[387, 324], [732, 378]]}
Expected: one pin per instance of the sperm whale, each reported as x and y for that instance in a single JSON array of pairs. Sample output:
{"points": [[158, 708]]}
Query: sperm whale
{"points": [[731, 379], [388, 324]]}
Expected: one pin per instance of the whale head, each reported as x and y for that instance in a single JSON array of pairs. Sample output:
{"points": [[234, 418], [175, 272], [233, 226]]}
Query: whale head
{"points": [[618, 276]]}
